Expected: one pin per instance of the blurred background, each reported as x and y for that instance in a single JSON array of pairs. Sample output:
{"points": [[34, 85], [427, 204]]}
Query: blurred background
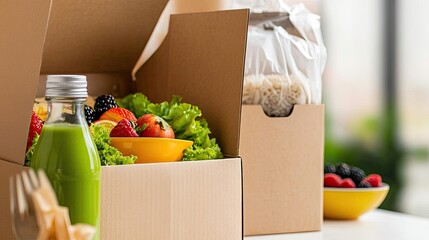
{"points": [[376, 91]]}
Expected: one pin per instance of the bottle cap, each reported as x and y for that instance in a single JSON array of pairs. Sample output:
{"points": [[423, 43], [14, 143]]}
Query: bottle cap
{"points": [[74, 86]]}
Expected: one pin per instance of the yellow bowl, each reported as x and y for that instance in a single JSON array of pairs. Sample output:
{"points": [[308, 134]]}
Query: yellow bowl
{"points": [[151, 150], [351, 203]]}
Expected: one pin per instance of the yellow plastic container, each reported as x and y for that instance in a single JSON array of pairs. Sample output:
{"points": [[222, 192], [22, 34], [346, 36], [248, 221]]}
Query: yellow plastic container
{"points": [[351, 203], [151, 150]]}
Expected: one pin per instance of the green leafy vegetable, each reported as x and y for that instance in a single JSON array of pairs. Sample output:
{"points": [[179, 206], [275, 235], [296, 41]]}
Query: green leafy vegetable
{"points": [[197, 152], [30, 152], [184, 118], [108, 154], [136, 103]]}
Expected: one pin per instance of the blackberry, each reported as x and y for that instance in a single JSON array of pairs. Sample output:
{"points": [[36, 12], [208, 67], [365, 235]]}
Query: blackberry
{"points": [[357, 174], [364, 184], [104, 103], [89, 114], [343, 170], [330, 168]]}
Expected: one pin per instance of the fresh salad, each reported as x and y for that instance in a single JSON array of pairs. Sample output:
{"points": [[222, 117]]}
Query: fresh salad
{"points": [[135, 116], [185, 120]]}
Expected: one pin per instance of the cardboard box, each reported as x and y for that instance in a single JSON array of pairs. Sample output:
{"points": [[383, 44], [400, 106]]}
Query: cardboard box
{"points": [[282, 170], [202, 56]]}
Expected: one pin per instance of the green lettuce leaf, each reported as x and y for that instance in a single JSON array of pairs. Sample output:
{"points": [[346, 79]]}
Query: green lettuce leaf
{"points": [[136, 103], [198, 152], [30, 152], [108, 155]]}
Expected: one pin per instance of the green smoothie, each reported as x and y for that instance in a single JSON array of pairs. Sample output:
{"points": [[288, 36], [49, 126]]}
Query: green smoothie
{"points": [[68, 156]]}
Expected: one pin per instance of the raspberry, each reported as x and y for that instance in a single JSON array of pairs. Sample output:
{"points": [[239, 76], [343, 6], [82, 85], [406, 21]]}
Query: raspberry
{"points": [[36, 126], [330, 169], [364, 184], [357, 175], [374, 180], [343, 170], [332, 180], [347, 183], [89, 114], [124, 128], [104, 103]]}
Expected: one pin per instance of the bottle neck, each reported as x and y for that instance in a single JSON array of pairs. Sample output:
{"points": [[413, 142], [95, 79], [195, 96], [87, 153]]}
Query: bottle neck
{"points": [[66, 111]]}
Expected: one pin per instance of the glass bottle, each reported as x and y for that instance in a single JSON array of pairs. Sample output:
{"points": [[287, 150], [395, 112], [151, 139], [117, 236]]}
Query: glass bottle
{"points": [[66, 152]]}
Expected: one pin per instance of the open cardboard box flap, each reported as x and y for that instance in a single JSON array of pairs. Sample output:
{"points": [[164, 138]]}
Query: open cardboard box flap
{"points": [[22, 32], [98, 36], [202, 58]]}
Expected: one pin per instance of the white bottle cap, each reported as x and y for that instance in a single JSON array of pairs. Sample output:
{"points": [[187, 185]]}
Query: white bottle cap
{"points": [[74, 86]]}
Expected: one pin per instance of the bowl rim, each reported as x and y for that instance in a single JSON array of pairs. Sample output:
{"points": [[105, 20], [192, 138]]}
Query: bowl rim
{"points": [[150, 138], [385, 186]]}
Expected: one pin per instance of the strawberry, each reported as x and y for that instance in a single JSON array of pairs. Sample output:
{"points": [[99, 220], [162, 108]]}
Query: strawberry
{"points": [[332, 180], [374, 180], [347, 183], [151, 125], [124, 128], [36, 126], [117, 114]]}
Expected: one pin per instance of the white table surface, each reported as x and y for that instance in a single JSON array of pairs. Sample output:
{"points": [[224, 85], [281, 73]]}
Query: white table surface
{"points": [[376, 225]]}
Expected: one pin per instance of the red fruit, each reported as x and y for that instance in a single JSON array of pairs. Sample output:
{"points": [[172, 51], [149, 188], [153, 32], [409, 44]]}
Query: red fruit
{"points": [[124, 128], [347, 183], [332, 180], [374, 180], [154, 126], [36, 126], [117, 114]]}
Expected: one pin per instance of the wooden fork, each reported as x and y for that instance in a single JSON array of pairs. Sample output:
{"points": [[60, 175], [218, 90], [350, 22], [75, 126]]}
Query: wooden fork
{"points": [[24, 222]]}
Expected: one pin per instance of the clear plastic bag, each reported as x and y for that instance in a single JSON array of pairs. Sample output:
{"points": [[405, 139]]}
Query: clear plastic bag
{"points": [[285, 57]]}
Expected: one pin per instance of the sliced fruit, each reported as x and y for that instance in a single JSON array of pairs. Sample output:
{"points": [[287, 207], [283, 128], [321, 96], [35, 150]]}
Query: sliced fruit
{"points": [[40, 107], [107, 123], [117, 114]]}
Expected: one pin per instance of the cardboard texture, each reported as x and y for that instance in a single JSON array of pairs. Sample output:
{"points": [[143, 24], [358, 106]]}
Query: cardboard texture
{"points": [[203, 54], [215, 55], [185, 201], [282, 170], [98, 36], [22, 33], [189, 200]]}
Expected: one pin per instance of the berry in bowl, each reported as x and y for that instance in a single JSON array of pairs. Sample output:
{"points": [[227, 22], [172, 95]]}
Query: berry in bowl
{"points": [[349, 193], [151, 139]]}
